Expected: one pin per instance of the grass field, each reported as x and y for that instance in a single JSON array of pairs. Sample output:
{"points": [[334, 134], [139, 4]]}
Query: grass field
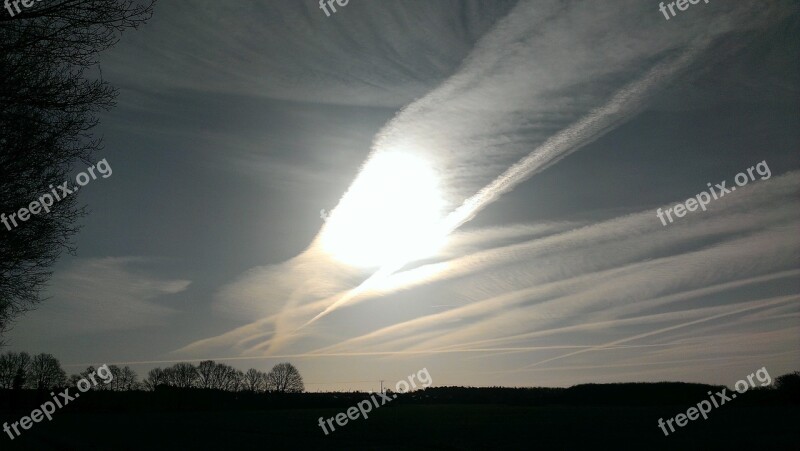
{"points": [[395, 427]]}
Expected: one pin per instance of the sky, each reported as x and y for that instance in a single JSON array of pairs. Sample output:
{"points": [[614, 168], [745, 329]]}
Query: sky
{"points": [[490, 174]]}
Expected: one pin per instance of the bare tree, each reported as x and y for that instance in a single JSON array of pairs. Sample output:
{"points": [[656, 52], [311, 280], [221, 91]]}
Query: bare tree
{"points": [[182, 375], [223, 377], [123, 379], [254, 381], [265, 383], [284, 378], [116, 375], [127, 379], [155, 377], [205, 374], [49, 108], [73, 380], [90, 370], [45, 373], [169, 377], [14, 369], [237, 383]]}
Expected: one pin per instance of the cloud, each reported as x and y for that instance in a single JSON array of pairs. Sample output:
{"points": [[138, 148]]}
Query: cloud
{"points": [[480, 122], [546, 80], [613, 267], [550, 77], [103, 294], [620, 275]]}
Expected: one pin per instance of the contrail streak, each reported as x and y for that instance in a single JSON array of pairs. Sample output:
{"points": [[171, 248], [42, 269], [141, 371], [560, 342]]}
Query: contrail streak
{"points": [[622, 105], [625, 103], [768, 303]]}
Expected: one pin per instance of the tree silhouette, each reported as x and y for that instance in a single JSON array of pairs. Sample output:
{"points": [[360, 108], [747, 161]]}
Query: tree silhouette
{"points": [[218, 376], [237, 381], [181, 375], [254, 381], [73, 380], [205, 374], [225, 377], [45, 373], [49, 108], [128, 379], [789, 385], [116, 375], [14, 369], [85, 375], [155, 378], [284, 378]]}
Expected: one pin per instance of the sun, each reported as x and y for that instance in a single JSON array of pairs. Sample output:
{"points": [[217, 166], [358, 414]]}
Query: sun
{"points": [[391, 214]]}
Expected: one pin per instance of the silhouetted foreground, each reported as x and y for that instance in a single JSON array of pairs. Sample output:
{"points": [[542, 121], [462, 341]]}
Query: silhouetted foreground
{"points": [[622, 416]]}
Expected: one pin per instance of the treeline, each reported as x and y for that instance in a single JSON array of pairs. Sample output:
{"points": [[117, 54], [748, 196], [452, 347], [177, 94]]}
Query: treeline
{"points": [[784, 390], [19, 370], [668, 396], [282, 378]]}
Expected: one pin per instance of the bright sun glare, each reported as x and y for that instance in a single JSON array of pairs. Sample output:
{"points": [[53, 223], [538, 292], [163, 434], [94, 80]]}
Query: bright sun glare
{"points": [[391, 214]]}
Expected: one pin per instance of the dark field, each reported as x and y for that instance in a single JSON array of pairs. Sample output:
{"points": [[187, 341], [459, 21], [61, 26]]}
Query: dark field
{"points": [[760, 422]]}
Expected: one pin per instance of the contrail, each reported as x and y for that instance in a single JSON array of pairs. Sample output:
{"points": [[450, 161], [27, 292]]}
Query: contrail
{"points": [[767, 303], [380, 274], [626, 102], [622, 105]]}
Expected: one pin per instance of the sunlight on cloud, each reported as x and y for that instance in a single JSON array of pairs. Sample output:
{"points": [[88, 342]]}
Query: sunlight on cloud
{"points": [[509, 112], [391, 213]]}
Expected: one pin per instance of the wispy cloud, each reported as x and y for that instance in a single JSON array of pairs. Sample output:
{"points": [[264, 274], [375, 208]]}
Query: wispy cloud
{"points": [[613, 269], [104, 294], [496, 61], [545, 81], [620, 275]]}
